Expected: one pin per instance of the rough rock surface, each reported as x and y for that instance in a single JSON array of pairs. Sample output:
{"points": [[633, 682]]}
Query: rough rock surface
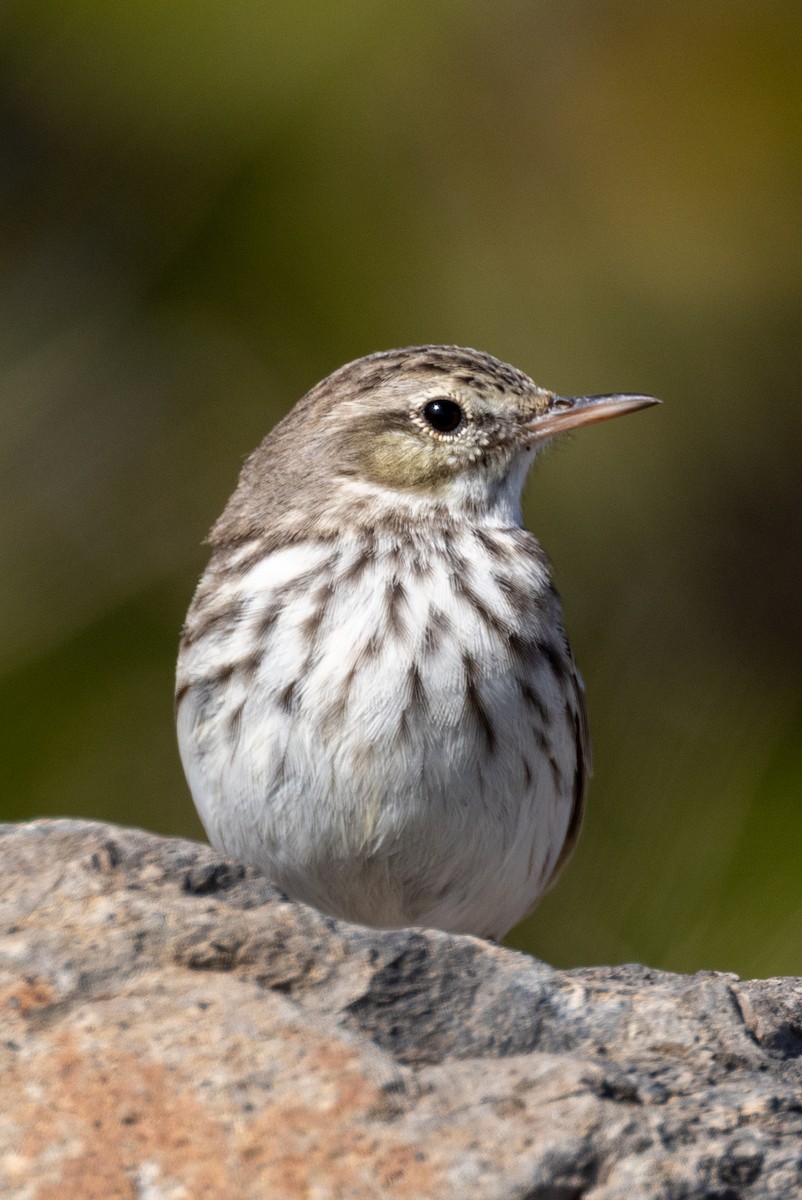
{"points": [[173, 1028]]}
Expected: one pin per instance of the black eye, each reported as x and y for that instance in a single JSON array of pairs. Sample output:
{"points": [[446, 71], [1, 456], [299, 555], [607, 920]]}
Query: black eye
{"points": [[443, 415]]}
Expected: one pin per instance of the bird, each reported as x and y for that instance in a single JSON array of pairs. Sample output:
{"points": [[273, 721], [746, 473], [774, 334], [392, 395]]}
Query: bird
{"points": [[376, 699]]}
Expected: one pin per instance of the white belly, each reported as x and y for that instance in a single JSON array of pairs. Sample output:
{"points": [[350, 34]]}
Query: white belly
{"points": [[383, 748]]}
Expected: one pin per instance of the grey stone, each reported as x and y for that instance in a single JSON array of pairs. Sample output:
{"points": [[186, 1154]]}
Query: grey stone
{"points": [[173, 1027]]}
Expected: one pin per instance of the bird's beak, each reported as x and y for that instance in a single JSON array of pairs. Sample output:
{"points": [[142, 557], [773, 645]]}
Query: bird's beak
{"points": [[568, 412]]}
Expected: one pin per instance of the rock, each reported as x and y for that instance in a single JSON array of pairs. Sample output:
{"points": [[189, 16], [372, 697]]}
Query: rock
{"points": [[174, 1028]]}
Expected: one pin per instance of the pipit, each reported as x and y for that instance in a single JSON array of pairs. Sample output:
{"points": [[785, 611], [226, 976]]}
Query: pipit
{"points": [[376, 698]]}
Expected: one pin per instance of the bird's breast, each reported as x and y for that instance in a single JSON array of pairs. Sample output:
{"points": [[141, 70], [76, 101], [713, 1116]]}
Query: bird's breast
{"points": [[389, 642], [412, 687]]}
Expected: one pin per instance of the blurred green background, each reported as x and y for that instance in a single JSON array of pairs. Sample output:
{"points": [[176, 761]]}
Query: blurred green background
{"points": [[206, 207]]}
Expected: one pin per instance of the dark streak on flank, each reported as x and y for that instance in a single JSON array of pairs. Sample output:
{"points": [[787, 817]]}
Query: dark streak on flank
{"points": [[205, 622], [524, 650], [244, 667], [280, 772], [494, 623], [418, 566], [438, 626], [521, 600], [417, 691], [301, 582], [267, 620], [245, 564], [556, 773], [395, 595], [475, 704], [553, 657], [335, 713], [359, 564], [234, 723], [490, 545], [401, 736], [396, 553], [249, 665], [310, 626], [348, 682], [533, 700], [369, 650], [457, 562], [578, 797], [220, 676]]}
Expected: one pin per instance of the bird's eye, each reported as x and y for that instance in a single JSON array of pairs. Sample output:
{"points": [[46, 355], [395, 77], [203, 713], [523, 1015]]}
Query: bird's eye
{"points": [[444, 416]]}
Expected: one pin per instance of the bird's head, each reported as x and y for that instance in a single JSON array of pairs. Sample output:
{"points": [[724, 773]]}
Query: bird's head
{"points": [[420, 429]]}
